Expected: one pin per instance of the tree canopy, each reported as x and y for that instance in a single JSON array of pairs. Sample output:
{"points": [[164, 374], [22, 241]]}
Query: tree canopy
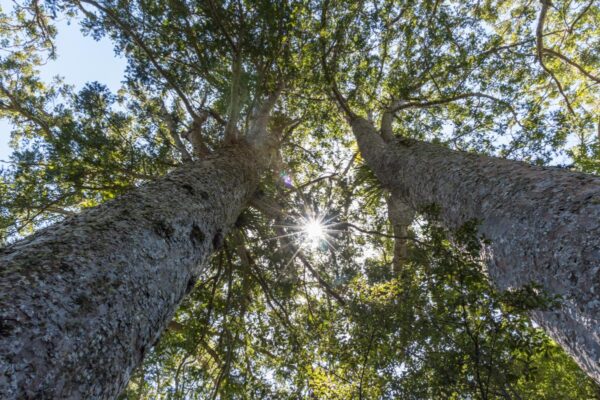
{"points": [[307, 297]]}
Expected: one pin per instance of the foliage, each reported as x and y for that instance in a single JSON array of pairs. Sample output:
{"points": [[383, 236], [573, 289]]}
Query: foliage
{"points": [[276, 315], [439, 330]]}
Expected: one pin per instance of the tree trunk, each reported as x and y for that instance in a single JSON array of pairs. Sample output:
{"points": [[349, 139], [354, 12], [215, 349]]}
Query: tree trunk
{"points": [[543, 223], [401, 217], [82, 301]]}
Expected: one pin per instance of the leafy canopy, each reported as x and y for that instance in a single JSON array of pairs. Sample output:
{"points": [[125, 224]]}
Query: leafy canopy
{"points": [[279, 314]]}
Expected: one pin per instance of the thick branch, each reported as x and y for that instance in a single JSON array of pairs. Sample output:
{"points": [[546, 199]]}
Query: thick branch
{"points": [[386, 120], [258, 134], [172, 128], [386, 125], [342, 102], [195, 137], [231, 131]]}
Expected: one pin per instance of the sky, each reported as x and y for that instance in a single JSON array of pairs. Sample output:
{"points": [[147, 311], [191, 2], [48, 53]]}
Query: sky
{"points": [[80, 59]]}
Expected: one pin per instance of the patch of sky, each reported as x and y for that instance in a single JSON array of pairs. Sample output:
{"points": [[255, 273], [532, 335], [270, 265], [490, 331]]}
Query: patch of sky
{"points": [[80, 59]]}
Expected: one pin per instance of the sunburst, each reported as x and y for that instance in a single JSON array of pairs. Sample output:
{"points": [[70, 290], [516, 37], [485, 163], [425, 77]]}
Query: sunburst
{"points": [[314, 232], [310, 232]]}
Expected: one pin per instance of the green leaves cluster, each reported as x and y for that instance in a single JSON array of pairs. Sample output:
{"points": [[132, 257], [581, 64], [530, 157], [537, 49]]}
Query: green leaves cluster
{"points": [[336, 323], [263, 327]]}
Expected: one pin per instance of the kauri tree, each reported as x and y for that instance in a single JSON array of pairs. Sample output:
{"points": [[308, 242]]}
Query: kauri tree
{"points": [[304, 199]]}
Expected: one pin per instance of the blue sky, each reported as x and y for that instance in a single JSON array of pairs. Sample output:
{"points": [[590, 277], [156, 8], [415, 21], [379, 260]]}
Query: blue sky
{"points": [[80, 59]]}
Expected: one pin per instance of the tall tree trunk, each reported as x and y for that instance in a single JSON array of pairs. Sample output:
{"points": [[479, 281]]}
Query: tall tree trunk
{"points": [[82, 301], [401, 217], [544, 224]]}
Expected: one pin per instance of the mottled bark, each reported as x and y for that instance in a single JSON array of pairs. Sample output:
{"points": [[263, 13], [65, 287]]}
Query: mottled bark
{"points": [[401, 216], [544, 224], [82, 301]]}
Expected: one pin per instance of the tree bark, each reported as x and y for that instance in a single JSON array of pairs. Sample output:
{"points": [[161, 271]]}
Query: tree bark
{"points": [[543, 223], [82, 301], [401, 217]]}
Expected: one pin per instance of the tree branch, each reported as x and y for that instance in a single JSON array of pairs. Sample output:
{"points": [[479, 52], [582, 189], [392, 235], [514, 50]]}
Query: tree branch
{"points": [[581, 14], [172, 128], [219, 21], [328, 289], [195, 137], [401, 216], [140, 43], [16, 106], [403, 105], [386, 125], [233, 116], [539, 33], [258, 130], [570, 62]]}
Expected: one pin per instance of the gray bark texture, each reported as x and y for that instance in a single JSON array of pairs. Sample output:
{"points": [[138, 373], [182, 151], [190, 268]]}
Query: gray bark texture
{"points": [[543, 223], [82, 301], [401, 217]]}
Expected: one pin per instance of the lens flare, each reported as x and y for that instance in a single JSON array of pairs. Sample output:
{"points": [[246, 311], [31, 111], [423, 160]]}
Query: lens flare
{"points": [[314, 231]]}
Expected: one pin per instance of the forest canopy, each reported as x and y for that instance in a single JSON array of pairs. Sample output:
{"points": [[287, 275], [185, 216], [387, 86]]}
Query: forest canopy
{"points": [[327, 286]]}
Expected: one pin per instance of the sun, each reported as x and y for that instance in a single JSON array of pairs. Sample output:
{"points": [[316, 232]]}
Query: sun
{"points": [[310, 232], [314, 231]]}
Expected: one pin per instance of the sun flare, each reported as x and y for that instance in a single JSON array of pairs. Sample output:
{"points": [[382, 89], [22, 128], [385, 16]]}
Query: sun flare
{"points": [[309, 232], [314, 231]]}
